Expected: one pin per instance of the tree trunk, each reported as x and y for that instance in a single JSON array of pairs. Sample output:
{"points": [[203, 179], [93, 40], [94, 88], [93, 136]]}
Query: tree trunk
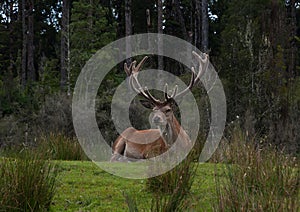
{"points": [[197, 23], [11, 38], [30, 47], [65, 50], [90, 15], [293, 45], [180, 19], [148, 18], [128, 28], [24, 47], [204, 30], [160, 31]]}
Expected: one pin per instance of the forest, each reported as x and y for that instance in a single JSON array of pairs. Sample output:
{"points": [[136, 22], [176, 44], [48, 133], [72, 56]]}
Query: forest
{"points": [[252, 44]]}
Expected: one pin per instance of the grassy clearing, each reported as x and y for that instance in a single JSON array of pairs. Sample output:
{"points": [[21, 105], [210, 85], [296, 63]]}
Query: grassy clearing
{"points": [[85, 187], [243, 177]]}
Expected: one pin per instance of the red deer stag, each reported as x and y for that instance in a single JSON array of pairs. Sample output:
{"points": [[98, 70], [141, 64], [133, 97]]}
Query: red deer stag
{"points": [[143, 144]]}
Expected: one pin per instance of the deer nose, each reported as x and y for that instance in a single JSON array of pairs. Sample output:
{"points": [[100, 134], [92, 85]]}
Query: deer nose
{"points": [[156, 119]]}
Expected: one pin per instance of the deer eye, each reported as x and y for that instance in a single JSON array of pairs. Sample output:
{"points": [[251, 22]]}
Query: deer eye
{"points": [[168, 110]]}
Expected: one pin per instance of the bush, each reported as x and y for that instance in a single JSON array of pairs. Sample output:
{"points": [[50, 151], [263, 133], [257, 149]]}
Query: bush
{"points": [[257, 179], [27, 183], [26, 125], [55, 115]]}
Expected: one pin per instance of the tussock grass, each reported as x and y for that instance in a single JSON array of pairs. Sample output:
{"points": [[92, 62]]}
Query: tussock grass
{"points": [[169, 191], [27, 183], [61, 147], [172, 189], [258, 179]]}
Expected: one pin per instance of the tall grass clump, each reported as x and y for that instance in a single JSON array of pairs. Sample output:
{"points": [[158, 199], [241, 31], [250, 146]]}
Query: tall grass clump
{"points": [[258, 179], [61, 147], [170, 190], [27, 183]]}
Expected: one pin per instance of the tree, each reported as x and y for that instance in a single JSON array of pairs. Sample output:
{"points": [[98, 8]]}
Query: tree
{"points": [[160, 31], [204, 27], [89, 32], [32, 76], [128, 28], [65, 51], [24, 45]]}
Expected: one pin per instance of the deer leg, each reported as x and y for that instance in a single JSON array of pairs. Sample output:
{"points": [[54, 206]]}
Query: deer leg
{"points": [[118, 149]]}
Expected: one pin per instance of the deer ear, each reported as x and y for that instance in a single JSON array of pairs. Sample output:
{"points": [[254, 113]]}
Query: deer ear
{"points": [[172, 102], [147, 104]]}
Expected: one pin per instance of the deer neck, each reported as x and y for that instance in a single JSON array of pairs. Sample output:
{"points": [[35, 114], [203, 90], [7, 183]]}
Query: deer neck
{"points": [[171, 131]]}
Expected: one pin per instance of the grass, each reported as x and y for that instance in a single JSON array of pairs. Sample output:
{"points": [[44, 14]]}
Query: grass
{"points": [[243, 177], [61, 147], [85, 187], [27, 183], [172, 189], [260, 179]]}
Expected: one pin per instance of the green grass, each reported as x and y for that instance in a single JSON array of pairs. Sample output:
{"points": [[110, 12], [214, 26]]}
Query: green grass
{"points": [[83, 186]]}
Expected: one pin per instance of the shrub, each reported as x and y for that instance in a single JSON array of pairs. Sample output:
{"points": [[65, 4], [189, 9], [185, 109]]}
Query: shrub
{"points": [[55, 115], [27, 183]]}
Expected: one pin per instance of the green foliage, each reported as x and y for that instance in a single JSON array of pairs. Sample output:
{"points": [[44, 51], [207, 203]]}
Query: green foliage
{"points": [[16, 100], [90, 30], [27, 183], [240, 51], [55, 115], [50, 78]]}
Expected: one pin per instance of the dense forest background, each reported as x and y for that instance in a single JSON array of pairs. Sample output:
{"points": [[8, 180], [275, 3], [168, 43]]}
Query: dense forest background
{"points": [[253, 44]]}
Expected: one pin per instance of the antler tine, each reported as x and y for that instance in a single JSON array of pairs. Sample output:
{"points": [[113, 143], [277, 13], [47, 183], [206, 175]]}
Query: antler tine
{"points": [[132, 85], [191, 84], [152, 98], [167, 97], [166, 92], [174, 92], [128, 69], [204, 61], [196, 77], [136, 69], [139, 89]]}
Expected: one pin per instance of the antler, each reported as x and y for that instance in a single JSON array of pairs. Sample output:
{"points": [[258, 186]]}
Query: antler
{"points": [[132, 72], [132, 69], [203, 65]]}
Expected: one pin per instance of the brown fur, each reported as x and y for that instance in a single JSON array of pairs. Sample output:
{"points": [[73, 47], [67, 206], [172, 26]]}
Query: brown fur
{"points": [[143, 144]]}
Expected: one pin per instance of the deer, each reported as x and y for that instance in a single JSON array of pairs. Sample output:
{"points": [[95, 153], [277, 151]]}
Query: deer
{"points": [[133, 144]]}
